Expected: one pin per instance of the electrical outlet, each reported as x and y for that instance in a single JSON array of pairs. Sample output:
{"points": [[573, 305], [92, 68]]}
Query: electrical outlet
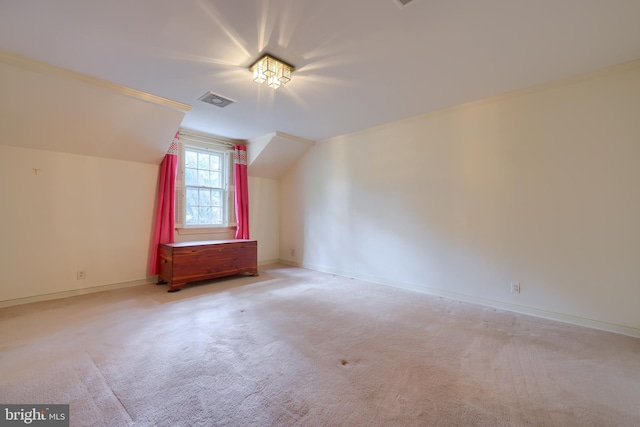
{"points": [[81, 275], [515, 287], [293, 253]]}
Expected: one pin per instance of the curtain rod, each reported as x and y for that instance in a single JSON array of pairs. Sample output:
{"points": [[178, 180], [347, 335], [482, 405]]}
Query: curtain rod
{"points": [[206, 138]]}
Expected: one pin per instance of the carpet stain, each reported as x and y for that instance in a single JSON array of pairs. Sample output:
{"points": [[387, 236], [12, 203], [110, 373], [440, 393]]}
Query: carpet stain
{"points": [[344, 362]]}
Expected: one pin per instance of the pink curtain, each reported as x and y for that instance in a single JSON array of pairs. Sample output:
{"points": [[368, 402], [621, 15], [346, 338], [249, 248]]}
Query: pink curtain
{"points": [[165, 211], [242, 191]]}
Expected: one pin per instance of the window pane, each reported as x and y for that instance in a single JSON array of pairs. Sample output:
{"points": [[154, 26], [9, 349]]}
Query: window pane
{"points": [[215, 162], [205, 197], [216, 180], [216, 215], [203, 178], [204, 215], [216, 198], [190, 177], [192, 197], [192, 215], [190, 159], [203, 161], [211, 180]]}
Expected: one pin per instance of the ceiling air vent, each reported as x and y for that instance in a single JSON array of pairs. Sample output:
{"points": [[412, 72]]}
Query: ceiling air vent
{"points": [[215, 99], [402, 3]]}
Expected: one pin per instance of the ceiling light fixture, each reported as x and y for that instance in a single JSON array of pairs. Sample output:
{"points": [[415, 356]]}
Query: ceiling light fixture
{"points": [[272, 71]]}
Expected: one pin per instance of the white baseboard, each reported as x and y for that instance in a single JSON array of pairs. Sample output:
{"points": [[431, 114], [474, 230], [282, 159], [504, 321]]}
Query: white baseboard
{"points": [[293, 263], [75, 292], [531, 311], [271, 261]]}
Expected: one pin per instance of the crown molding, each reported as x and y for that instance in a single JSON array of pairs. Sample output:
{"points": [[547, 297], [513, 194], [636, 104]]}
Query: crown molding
{"points": [[41, 67]]}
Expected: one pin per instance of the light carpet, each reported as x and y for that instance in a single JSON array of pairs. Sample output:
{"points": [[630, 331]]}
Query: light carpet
{"points": [[294, 347]]}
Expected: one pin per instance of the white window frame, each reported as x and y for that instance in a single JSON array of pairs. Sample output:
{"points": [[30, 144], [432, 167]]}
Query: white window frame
{"points": [[205, 143]]}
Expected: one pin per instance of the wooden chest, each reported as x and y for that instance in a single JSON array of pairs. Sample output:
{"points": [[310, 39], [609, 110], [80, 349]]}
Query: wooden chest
{"points": [[185, 262]]}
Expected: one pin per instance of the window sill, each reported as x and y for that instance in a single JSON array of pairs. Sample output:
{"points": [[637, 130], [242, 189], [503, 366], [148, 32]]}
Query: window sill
{"points": [[207, 230]]}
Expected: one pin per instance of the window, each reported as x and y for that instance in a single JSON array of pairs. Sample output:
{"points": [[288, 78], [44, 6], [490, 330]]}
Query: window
{"points": [[204, 185], [204, 190]]}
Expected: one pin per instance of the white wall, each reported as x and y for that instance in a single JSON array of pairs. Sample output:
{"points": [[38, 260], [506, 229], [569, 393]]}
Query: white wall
{"points": [[264, 223], [540, 187], [78, 213], [92, 214]]}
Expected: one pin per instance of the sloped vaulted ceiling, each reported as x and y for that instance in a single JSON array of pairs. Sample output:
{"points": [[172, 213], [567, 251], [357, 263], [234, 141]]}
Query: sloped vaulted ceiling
{"points": [[359, 63], [270, 156], [50, 108]]}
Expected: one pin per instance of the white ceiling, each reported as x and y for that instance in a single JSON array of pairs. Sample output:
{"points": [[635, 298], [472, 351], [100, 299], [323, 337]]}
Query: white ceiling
{"points": [[48, 108], [360, 63]]}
